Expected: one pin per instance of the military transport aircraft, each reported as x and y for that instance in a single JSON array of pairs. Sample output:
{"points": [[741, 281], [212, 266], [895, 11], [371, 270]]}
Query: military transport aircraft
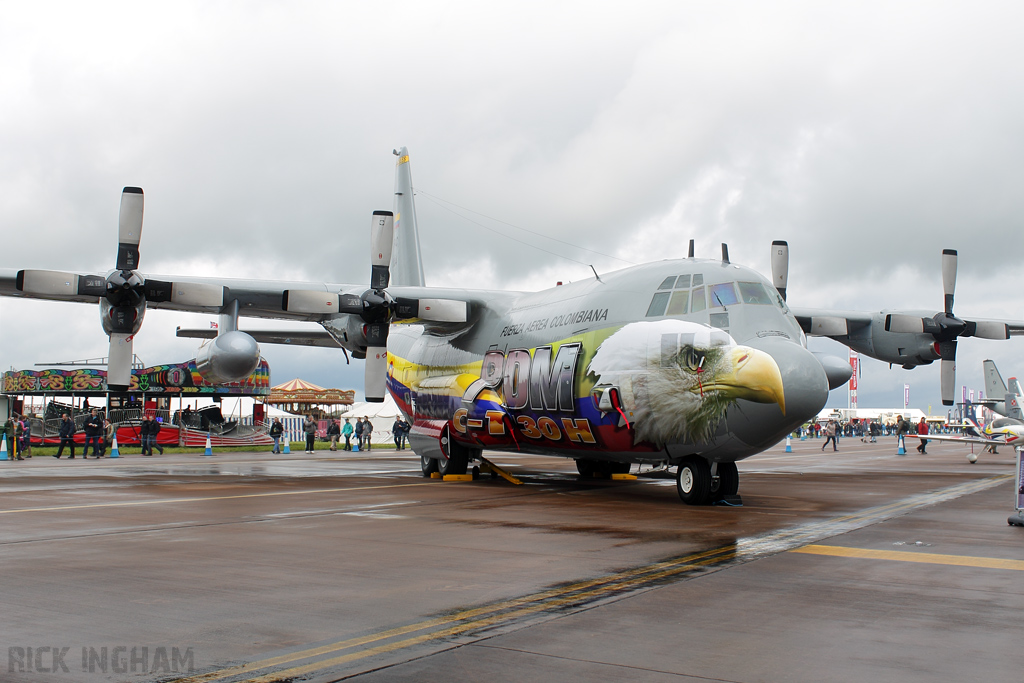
{"points": [[690, 363]]}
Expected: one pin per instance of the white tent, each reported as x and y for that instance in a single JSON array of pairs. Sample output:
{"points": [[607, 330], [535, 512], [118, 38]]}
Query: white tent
{"points": [[386, 411]]}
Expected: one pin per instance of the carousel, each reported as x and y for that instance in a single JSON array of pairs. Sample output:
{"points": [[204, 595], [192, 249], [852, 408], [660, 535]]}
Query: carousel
{"points": [[303, 398]]}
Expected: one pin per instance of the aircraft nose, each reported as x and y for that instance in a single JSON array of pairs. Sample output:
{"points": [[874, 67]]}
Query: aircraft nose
{"points": [[805, 384]]}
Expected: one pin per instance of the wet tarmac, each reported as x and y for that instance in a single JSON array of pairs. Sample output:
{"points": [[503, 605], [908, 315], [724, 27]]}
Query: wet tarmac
{"points": [[839, 566]]}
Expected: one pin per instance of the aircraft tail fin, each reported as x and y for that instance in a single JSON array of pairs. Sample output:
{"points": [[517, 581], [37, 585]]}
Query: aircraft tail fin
{"points": [[973, 427], [1012, 403], [994, 384], [406, 261]]}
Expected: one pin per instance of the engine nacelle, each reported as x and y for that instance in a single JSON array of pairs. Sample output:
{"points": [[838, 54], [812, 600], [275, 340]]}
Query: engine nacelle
{"points": [[899, 348], [230, 357]]}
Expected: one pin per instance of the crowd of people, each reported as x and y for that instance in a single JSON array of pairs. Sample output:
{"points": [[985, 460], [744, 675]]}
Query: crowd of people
{"points": [[870, 430], [357, 435], [97, 428]]}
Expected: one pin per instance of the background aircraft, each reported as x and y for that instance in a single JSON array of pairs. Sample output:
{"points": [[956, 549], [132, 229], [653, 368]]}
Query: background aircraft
{"points": [[692, 363]]}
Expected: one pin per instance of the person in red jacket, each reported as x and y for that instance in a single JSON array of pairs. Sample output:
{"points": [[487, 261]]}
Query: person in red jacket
{"points": [[922, 431]]}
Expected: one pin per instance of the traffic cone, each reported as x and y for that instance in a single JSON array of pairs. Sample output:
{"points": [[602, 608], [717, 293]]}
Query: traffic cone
{"points": [[3, 447], [287, 445], [901, 450], [114, 453], [209, 446], [789, 444]]}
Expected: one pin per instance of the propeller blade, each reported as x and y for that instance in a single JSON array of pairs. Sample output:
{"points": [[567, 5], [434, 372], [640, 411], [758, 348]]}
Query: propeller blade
{"points": [[439, 310], [129, 228], [986, 329], [375, 379], [780, 266], [350, 303], [376, 334], [949, 278], [58, 283], [184, 293], [898, 322], [119, 362], [382, 233], [309, 301], [947, 369]]}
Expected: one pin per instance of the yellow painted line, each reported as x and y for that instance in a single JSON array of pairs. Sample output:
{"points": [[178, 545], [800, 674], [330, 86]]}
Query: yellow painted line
{"points": [[904, 556], [199, 499], [535, 602]]}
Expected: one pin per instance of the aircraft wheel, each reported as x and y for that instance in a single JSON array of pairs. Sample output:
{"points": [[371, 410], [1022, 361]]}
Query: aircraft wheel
{"points": [[728, 479], [456, 462], [693, 480], [428, 465], [586, 467]]}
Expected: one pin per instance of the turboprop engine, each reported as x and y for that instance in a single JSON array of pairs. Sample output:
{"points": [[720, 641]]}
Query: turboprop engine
{"points": [[229, 357]]}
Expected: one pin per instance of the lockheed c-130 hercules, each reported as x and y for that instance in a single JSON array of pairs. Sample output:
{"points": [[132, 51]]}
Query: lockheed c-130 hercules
{"points": [[687, 363]]}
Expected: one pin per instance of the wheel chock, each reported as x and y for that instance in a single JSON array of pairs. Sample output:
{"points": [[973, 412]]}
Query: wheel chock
{"points": [[487, 465], [435, 475], [458, 477], [624, 477]]}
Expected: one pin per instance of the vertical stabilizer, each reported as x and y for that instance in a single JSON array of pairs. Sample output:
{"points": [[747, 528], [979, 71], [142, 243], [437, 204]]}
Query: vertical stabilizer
{"points": [[1012, 404], [994, 384], [406, 262]]}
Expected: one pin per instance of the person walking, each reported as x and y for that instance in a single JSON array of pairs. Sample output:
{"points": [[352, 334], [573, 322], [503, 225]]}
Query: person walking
{"points": [[902, 429], [11, 434], [830, 435], [276, 429], [144, 436], [93, 426], [360, 426], [346, 431], [367, 431], [154, 433], [66, 432], [309, 427], [406, 427], [108, 436], [922, 431], [26, 437], [396, 432], [334, 432]]}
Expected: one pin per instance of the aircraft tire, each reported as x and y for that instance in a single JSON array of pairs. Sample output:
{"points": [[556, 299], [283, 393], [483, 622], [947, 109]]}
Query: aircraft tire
{"points": [[693, 480], [457, 461], [728, 479], [428, 465], [586, 467]]}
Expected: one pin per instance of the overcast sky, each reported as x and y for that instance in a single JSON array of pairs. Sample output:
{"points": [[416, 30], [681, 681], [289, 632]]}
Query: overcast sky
{"points": [[869, 135]]}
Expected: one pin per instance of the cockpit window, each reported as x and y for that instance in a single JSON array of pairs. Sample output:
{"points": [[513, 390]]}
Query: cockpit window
{"points": [[754, 293], [677, 305], [683, 282], [698, 304], [698, 279], [658, 304], [668, 282], [722, 295]]}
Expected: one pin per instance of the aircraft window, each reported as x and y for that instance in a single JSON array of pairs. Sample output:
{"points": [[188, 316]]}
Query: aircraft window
{"points": [[677, 305], [754, 293], [699, 303], [668, 283], [683, 282], [658, 303], [722, 295], [698, 279], [720, 320]]}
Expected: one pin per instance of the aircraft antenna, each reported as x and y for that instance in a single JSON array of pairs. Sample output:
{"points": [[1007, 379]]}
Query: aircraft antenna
{"points": [[595, 273], [725, 253], [690, 253]]}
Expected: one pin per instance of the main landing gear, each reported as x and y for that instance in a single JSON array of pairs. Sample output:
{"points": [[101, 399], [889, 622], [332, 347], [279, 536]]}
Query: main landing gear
{"points": [[698, 486], [590, 469], [455, 458]]}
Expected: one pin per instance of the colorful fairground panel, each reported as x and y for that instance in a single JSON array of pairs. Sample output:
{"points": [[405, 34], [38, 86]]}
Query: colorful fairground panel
{"points": [[181, 379]]}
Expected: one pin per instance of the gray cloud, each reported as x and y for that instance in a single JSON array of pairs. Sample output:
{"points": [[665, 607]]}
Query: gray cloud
{"points": [[868, 135]]}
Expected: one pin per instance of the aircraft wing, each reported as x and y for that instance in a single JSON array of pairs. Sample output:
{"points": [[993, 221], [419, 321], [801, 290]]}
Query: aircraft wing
{"points": [[256, 298], [289, 337], [823, 322]]}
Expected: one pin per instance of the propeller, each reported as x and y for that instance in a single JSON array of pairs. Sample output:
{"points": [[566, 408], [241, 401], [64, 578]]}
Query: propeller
{"points": [[945, 327], [376, 307], [123, 293]]}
